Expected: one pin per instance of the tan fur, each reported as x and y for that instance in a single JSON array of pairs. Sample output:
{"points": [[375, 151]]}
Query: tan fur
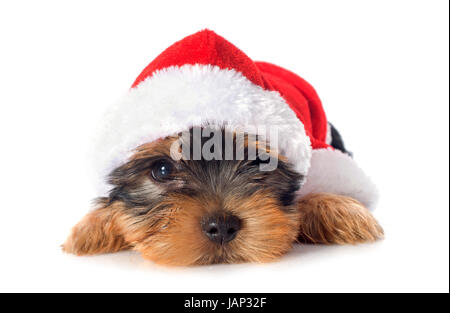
{"points": [[98, 232], [267, 233], [334, 219], [176, 237], [158, 147]]}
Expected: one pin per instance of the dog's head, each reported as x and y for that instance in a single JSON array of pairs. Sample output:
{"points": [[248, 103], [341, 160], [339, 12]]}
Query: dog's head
{"points": [[225, 208]]}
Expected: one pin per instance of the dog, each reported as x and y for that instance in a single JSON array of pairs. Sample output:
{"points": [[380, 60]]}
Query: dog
{"points": [[222, 207], [191, 212]]}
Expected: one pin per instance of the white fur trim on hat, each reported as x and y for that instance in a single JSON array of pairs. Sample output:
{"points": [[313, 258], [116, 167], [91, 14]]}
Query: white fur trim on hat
{"points": [[335, 172], [174, 98]]}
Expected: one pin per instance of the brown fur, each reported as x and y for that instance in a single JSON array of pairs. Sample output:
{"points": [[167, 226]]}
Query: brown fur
{"points": [[98, 232], [266, 234], [162, 220], [334, 219]]}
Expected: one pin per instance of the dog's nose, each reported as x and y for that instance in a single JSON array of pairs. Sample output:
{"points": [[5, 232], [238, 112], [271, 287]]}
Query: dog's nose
{"points": [[221, 228]]}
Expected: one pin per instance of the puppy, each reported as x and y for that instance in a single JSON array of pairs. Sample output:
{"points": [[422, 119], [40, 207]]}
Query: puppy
{"points": [[212, 157], [190, 212]]}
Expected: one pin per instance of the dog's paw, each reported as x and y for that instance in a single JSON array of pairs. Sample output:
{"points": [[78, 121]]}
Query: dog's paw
{"points": [[78, 243], [334, 219], [96, 233]]}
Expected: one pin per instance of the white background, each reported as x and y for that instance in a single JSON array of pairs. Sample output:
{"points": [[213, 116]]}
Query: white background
{"points": [[380, 67]]}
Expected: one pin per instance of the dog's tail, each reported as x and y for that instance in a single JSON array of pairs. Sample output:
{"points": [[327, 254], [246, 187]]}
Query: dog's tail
{"points": [[334, 139]]}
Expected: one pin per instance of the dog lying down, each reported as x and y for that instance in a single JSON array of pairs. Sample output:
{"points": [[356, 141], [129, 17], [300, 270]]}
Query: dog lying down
{"points": [[214, 158]]}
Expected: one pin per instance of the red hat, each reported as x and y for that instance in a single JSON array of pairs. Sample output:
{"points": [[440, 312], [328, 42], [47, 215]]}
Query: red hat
{"points": [[204, 78]]}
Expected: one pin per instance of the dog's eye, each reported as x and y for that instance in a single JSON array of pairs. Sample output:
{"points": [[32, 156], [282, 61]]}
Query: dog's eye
{"points": [[162, 170]]}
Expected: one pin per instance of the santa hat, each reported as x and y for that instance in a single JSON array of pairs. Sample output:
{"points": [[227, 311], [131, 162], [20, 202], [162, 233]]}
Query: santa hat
{"points": [[203, 78]]}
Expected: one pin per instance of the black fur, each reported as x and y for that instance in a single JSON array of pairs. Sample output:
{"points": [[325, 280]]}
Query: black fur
{"points": [[337, 142]]}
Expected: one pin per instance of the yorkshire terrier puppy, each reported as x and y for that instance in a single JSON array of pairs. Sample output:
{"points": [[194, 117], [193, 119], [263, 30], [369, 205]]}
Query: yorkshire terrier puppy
{"points": [[212, 157], [190, 212]]}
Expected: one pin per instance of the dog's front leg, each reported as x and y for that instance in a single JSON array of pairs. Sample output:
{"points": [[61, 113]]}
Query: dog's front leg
{"points": [[334, 219], [99, 231]]}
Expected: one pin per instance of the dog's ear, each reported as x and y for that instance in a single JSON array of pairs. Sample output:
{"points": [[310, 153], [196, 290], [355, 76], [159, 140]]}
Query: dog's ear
{"points": [[98, 232], [334, 219]]}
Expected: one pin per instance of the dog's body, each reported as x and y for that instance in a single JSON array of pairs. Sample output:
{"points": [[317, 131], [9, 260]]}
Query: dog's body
{"points": [[244, 198]]}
